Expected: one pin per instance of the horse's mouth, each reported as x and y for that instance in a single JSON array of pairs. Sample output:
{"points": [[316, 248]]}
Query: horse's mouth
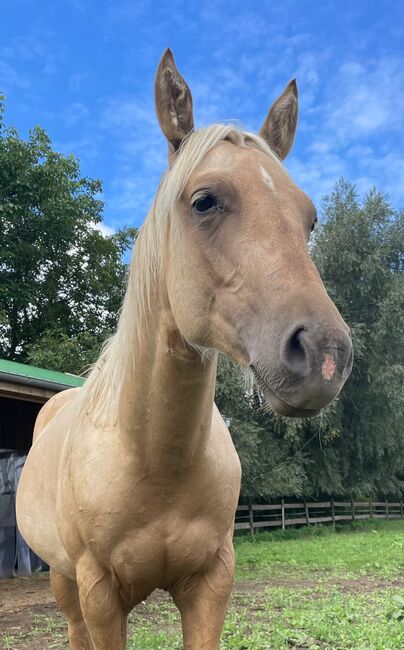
{"points": [[279, 405], [283, 408]]}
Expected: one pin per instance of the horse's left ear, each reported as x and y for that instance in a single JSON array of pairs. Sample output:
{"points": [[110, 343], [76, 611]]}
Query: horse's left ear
{"points": [[279, 127], [173, 102]]}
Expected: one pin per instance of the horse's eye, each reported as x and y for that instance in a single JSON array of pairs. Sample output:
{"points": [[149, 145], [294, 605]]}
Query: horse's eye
{"points": [[205, 203], [314, 224]]}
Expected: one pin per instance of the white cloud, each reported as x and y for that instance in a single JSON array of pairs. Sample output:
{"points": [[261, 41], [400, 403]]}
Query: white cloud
{"points": [[355, 129], [129, 113], [387, 174], [75, 113], [367, 99], [140, 159], [339, 113], [76, 80], [10, 78], [317, 174], [348, 102], [104, 229], [85, 147]]}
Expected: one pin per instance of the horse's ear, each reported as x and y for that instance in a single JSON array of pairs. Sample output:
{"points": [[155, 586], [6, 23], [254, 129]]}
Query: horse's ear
{"points": [[173, 102], [279, 127]]}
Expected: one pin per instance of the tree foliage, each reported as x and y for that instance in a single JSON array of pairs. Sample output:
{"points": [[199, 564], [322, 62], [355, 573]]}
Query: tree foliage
{"points": [[360, 254], [356, 445], [60, 276]]}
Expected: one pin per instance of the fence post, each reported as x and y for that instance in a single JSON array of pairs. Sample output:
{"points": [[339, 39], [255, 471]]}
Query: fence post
{"points": [[387, 509], [371, 509], [251, 519], [401, 509], [333, 512], [306, 509], [283, 514], [353, 510]]}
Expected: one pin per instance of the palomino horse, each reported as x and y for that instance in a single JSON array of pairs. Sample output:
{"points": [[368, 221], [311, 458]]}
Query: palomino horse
{"points": [[133, 480]]}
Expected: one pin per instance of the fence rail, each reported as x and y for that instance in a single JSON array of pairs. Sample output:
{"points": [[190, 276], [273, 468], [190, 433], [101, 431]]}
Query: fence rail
{"points": [[280, 515]]}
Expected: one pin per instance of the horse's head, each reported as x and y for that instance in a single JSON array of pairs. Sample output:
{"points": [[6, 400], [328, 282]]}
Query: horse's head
{"points": [[239, 275]]}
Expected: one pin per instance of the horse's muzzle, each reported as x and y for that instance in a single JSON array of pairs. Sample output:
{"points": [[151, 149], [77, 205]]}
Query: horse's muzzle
{"points": [[313, 364]]}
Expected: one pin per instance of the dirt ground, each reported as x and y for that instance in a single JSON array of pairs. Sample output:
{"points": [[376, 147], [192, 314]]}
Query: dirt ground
{"points": [[28, 609], [29, 613], [21, 601]]}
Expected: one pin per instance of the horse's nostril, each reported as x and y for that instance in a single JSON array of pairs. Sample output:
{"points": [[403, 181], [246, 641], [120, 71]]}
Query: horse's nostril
{"points": [[295, 346], [295, 354]]}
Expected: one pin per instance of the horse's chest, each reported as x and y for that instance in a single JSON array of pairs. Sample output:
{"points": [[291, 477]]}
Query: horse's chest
{"points": [[158, 556], [152, 532]]}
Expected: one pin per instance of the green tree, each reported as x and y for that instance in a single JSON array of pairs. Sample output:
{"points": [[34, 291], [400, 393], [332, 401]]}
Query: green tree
{"points": [[60, 276], [359, 251], [272, 461], [356, 445], [58, 351]]}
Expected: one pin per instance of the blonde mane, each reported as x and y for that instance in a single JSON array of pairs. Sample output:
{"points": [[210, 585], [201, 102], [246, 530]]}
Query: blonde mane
{"points": [[99, 398]]}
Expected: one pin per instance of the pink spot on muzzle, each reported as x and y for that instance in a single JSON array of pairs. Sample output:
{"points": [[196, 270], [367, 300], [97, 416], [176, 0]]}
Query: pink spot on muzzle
{"points": [[328, 368]]}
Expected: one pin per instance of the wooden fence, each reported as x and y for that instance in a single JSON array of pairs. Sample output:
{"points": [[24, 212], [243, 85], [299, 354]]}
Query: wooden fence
{"points": [[284, 514]]}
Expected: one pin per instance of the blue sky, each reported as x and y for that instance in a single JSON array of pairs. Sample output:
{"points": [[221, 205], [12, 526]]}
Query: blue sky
{"points": [[84, 70]]}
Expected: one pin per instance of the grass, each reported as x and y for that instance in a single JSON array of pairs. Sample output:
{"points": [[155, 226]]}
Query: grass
{"points": [[366, 548], [312, 589], [309, 588], [323, 618]]}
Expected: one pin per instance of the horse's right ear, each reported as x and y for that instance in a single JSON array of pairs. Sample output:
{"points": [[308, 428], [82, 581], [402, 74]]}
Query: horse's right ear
{"points": [[173, 102], [279, 127]]}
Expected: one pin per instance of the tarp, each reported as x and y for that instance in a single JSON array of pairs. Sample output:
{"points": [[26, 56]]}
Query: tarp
{"points": [[16, 558]]}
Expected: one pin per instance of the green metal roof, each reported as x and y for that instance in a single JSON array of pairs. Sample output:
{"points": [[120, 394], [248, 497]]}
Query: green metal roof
{"points": [[31, 372]]}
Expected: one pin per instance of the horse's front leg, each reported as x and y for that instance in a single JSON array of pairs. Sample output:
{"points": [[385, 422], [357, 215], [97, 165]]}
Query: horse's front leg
{"points": [[203, 599], [101, 605]]}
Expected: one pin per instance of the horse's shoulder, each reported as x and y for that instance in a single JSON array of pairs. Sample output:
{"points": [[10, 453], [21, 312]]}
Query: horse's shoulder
{"points": [[51, 408]]}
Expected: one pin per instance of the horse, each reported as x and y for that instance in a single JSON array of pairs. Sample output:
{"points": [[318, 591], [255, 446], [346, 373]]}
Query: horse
{"points": [[132, 481]]}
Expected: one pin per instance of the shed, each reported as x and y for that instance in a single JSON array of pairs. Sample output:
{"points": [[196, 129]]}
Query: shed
{"points": [[23, 390]]}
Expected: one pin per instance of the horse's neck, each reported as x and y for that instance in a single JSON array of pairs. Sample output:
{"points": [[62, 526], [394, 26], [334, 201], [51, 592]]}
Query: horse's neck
{"points": [[167, 399]]}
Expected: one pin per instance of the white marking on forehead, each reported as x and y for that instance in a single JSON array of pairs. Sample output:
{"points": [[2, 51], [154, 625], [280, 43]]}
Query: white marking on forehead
{"points": [[266, 178]]}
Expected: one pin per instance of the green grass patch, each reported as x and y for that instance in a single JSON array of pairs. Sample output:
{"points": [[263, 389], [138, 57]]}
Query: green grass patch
{"points": [[308, 589], [331, 621], [343, 590], [151, 640], [300, 618], [377, 548]]}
